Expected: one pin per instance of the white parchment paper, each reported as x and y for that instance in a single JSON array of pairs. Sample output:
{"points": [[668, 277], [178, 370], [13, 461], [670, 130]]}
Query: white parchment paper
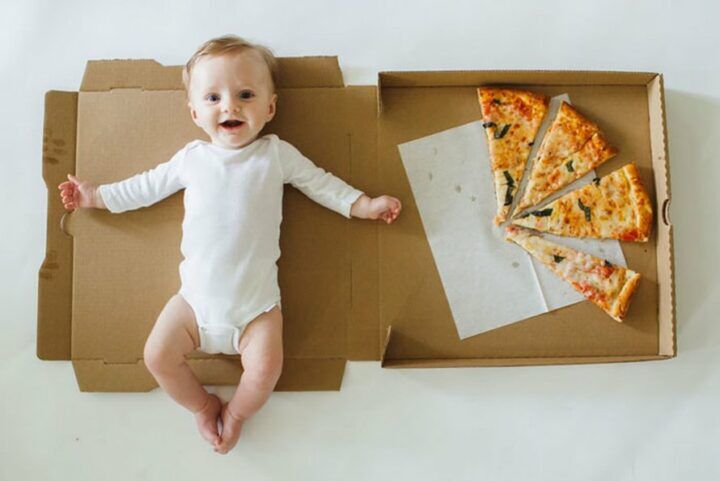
{"points": [[488, 281]]}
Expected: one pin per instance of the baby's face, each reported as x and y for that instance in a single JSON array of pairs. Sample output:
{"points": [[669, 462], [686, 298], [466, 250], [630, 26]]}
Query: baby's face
{"points": [[231, 97]]}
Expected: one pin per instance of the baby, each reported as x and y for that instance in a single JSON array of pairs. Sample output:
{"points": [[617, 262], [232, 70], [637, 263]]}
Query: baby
{"points": [[229, 299]]}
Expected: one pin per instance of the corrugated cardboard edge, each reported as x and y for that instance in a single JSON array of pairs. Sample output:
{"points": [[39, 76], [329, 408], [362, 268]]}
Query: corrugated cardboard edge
{"points": [[666, 262], [55, 276], [667, 345]]}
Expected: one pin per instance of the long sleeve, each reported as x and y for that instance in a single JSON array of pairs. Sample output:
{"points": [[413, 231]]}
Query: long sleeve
{"points": [[146, 188], [319, 185]]}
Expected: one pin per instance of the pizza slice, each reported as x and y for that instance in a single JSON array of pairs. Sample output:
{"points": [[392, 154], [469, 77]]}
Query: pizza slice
{"points": [[612, 207], [572, 147], [511, 119], [609, 286]]}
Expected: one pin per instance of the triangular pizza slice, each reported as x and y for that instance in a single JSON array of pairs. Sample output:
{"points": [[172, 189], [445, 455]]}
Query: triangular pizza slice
{"points": [[572, 147], [612, 207], [609, 286], [511, 119]]}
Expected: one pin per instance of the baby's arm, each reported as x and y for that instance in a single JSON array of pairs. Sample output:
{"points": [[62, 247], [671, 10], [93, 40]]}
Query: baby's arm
{"points": [[332, 192], [140, 190]]}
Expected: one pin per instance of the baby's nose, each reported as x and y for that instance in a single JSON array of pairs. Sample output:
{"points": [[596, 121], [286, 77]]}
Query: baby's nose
{"points": [[231, 105]]}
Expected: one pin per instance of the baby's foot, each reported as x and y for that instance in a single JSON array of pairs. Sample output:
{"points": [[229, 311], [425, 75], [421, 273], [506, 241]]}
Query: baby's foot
{"points": [[207, 419], [231, 425]]}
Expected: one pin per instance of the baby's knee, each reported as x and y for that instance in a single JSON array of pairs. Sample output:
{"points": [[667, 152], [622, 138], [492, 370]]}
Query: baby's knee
{"points": [[265, 372], [158, 358]]}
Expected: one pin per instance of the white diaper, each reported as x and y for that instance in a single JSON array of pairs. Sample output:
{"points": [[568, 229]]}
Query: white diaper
{"points": [[223, 338], [220, 339]]}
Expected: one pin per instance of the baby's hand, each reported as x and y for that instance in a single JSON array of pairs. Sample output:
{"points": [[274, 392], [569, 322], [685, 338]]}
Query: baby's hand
{"points": [[384, 207], [76, 193]]}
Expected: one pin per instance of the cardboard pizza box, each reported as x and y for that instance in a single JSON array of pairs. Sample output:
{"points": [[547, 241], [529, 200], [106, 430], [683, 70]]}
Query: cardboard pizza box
{"points": [[351, 289]]}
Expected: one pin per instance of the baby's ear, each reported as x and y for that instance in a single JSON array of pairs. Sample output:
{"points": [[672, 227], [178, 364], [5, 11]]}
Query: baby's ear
{"points": [[272, 108]]}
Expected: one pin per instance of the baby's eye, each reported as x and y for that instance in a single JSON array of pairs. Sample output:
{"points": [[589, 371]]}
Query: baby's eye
{"points": [[213, 97], [247, 94]]}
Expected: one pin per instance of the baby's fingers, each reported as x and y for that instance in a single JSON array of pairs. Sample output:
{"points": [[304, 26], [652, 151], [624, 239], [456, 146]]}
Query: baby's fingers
{"points": [[388, 216]]}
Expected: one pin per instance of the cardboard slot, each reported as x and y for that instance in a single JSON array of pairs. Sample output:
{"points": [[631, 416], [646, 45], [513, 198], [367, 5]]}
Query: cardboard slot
{"points": [[666, 212]]}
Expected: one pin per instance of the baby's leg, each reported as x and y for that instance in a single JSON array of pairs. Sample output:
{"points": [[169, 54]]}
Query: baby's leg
{"points": [[262, 356], [174, 336]]}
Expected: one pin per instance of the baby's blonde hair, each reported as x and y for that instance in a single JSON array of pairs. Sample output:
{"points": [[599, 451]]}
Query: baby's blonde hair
{"points": [[227, 45]]}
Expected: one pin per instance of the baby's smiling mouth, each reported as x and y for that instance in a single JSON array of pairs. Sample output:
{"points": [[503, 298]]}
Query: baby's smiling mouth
{"points": [[231, 124]]}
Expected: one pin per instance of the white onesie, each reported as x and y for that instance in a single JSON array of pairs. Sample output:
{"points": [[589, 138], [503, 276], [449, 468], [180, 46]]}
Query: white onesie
{"points": [[231, 228]]}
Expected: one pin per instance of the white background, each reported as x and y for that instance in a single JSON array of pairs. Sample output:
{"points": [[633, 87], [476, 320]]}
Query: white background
{"points": [[641, 421]]}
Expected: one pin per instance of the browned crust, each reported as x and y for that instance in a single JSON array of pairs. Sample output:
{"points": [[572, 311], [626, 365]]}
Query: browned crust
{"points": [[622, 302], [641, 203]]}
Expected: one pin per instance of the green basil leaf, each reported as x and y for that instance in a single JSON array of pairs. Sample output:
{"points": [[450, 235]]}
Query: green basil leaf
{"points": [[508, 196], [542, 213], [570, 166], [510, 186], [558, 259], [585, 209], [502, 132], [508, 178]]}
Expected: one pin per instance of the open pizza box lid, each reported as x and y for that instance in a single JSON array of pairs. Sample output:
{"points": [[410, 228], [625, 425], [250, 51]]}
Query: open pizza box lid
{"points": [[351, 289]]}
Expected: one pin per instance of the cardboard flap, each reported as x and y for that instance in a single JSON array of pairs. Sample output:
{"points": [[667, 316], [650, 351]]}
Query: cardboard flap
{"points": [[101, 75], [297, 375], [55, 276], [146, 74], [308, 72]]}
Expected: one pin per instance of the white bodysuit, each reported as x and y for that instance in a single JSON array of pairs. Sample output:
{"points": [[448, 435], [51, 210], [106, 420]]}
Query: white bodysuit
{"points": [[231, 228]]}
